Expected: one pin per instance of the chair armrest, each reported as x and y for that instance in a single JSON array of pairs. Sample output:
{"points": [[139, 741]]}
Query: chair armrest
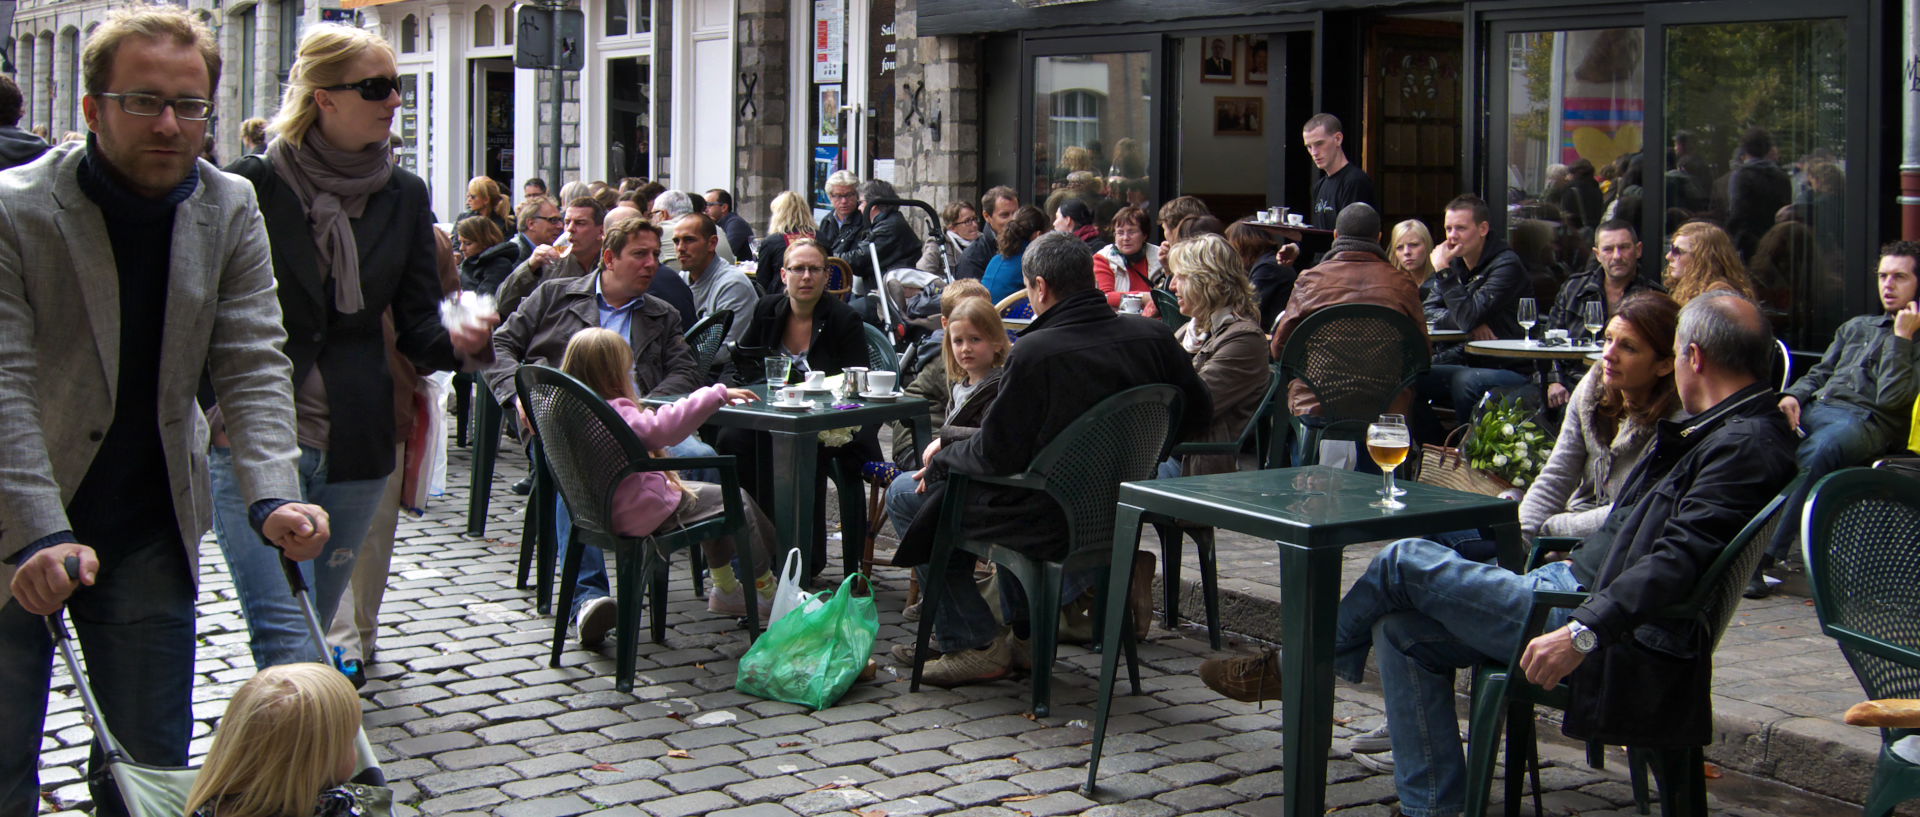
{"points": [[721, 461], [1544, 545], [1029, 481]]}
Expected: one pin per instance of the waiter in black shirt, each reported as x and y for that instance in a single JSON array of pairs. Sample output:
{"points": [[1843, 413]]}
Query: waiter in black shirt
{"points": [[1340, 182]]}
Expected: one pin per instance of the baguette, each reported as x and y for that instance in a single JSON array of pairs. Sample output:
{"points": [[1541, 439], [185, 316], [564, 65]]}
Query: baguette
{"points": [[1896, 713]]}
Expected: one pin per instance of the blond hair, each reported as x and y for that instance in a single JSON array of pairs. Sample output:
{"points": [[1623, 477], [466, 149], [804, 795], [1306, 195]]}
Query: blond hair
{"points": [[1715, 265], [1211, 279], [985, 320], [286, 733], [961, 289], [790, 215], [489, 191], [326, 52], [1411, 228], [602, 360], [155, 22]]}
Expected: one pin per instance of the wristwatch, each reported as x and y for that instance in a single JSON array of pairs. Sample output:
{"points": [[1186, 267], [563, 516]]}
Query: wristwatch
{"points": [[1585, 640]]}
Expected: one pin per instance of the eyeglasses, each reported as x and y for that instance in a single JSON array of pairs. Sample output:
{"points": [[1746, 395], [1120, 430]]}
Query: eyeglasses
{"points": [[551, 219], [191, 109], [965, 222], [372, 89], [807, 271], [1676, 250]]}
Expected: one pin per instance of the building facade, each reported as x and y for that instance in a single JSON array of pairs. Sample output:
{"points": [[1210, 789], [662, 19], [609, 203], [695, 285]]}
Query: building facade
{"points": [[1157, 99]]}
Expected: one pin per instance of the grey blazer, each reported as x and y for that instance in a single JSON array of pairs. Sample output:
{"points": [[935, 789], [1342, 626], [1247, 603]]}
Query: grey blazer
{"points": [[60, 348]]}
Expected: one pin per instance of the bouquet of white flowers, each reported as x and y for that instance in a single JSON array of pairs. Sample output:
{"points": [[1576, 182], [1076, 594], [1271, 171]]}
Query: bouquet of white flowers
{"points": [[1506, 442]]}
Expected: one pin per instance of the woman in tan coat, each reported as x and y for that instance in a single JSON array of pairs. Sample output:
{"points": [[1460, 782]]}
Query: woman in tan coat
{"points": [[1229, 349]]}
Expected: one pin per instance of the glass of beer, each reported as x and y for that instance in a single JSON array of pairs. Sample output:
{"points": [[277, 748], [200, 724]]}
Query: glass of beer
{"points": [[1392, 420], [1387, 443]]}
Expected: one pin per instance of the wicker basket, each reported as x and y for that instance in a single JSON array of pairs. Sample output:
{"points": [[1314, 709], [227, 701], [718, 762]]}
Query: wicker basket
{"points": [[1446, 466]]}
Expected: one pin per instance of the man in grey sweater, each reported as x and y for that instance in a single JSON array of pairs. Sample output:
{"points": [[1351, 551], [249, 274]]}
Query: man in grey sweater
{"points": [[716, 284]]}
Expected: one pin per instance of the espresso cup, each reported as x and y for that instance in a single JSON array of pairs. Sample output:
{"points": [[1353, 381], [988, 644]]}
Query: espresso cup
{"points": [[1131, 304], [880, 382], [790, 395], [816, 380]]}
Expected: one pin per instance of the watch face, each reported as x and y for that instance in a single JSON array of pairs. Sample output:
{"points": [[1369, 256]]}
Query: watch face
{"points": [[1585, 640]]}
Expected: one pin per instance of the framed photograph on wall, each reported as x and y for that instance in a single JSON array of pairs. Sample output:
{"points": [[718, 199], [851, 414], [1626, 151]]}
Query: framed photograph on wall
{"points": [[1239, 115], [1217, 54], [1255, 61], [828, 115]]}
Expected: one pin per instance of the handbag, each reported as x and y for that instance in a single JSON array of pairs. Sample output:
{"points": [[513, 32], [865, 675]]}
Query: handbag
{"points": [[813, 656], [1445, 466], [788, 596]]}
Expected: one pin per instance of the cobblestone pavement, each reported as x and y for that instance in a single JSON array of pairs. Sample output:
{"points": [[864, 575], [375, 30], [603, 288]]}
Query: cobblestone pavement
{"points": [[468, 718]]}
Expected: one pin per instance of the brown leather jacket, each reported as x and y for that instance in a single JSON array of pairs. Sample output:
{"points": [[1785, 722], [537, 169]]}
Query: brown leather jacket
{"points": [[1345, 277]]}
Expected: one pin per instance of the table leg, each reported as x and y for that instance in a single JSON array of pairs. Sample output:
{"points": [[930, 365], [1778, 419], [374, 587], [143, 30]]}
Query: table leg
{"points": [[486, 447], [794, 467], [1126, 541], [1510, 549], [1309, 598]]}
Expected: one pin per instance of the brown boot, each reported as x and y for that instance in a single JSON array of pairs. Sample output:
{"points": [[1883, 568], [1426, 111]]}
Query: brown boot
{"points": [[1247, 678], [1140, 594]]}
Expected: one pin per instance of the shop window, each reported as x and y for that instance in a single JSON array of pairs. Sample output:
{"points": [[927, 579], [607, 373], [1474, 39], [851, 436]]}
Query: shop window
{"points": [[1756, 142], [616, 18], [1090, 115], [409, 34], [1076, 122], [483, 27]]}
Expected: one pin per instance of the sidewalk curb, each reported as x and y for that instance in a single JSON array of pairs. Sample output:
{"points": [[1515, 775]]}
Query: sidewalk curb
{"points": [[1815, 754]]}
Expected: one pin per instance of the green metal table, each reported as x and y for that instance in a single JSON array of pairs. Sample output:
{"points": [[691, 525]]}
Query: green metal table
{"points": [[795, 460], [1312, 513]]}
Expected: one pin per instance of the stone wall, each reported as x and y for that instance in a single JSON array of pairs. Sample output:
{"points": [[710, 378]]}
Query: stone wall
{"points": [[569, 130], [762, 112], [937, 113]]}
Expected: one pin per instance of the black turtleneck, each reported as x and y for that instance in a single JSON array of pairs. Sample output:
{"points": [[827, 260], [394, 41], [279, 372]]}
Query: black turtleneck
{"points": [[126, 500]]}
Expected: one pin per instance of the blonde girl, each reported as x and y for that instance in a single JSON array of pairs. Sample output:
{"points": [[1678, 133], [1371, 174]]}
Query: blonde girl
{"points": [[284, 747], [653, 500]]}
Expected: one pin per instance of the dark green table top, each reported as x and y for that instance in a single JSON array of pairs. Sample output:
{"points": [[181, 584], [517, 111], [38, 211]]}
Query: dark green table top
{"points": [[1315, 506], [762, 417]]}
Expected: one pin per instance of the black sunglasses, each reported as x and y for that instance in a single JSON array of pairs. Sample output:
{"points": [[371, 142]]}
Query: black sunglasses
{"points": [[372, 89]]}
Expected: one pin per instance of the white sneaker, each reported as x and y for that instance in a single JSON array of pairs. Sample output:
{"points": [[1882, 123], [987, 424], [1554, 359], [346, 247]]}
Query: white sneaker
{"points": [[1381, 762], [1372, 742], [596, 619]]}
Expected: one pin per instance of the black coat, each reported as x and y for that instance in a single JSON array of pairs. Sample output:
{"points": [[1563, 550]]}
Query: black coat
{"points": [[399, 269], [1488, 294], [1273, 284], [890, 238], [1075, 355], [840, 241], [1649, 683], [484, 272], [839, 338]]}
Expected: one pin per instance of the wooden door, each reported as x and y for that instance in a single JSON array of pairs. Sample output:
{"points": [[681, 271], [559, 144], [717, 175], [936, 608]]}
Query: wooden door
{"points": [[1412, 145]]}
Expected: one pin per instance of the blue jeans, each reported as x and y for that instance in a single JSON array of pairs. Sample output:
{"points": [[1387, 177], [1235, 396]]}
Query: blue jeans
{"points": [[1464, 385], [1839, 435], [1431, 611], [277, 624], [136, 627], [593, 583]]}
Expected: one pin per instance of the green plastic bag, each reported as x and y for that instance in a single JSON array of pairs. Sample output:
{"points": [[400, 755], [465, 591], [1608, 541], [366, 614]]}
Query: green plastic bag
{"points": [[811, 657]]}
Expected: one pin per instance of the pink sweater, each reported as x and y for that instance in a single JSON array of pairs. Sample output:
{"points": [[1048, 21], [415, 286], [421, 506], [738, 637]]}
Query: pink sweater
{"points": [[645, 500]]}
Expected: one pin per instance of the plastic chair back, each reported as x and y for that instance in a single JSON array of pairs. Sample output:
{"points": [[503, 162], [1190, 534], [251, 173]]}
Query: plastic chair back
{"points": [[1862, 540], [708, 335], [880, 354], [1356, 358], [588, 447], [1084, 465], [1015, 305], [1168, 305], [839, 278]]}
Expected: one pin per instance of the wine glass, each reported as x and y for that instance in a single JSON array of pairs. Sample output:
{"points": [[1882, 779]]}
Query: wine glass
{"points": [[779, 369], [1387, 444], [1594, 313], [1529, 315], [1392, 420]]}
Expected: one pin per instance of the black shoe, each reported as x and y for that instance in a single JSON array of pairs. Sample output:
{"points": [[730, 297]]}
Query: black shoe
{"points": [[523, 487], [1757, 587], [355, 672]]}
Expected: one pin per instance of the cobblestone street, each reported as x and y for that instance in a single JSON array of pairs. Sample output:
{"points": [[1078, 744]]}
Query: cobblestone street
{"points": [[468, 718]]}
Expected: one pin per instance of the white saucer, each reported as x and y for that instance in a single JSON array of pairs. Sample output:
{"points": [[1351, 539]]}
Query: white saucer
{"points": [[881, 397], [804, 405]]}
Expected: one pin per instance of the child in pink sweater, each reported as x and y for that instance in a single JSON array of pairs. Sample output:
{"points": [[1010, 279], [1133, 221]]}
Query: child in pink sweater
{"points": [[653, 500]]}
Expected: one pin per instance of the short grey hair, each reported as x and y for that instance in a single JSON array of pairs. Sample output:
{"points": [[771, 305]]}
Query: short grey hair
{"points": [[842, 178], [1729, 330], [877, 189], [675, 202], [1063, 260]]}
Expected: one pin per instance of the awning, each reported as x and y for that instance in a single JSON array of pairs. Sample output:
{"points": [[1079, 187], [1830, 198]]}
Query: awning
{"points": [[361, 4]]}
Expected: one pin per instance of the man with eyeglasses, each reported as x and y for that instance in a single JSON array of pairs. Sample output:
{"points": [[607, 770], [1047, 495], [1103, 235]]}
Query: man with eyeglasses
{"points": [[842, 230], [128, 269], [540, 222]]}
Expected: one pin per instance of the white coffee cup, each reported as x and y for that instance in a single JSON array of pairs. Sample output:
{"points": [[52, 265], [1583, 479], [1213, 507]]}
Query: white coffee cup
{"points": [[790, 395], [1295, 219], [1131, 304], [816, 380], [880, 382]]}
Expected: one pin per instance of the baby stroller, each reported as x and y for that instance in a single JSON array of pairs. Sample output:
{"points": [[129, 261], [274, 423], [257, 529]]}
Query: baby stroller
{"points": [[161, 791]]}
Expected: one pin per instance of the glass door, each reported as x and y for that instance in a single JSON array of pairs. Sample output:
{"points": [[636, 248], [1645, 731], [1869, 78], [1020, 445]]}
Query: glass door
{"points": [[1091, 117]]}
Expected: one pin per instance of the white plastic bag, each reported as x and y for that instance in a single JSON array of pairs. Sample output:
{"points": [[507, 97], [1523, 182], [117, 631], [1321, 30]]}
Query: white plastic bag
{"points": [[789, 596]]}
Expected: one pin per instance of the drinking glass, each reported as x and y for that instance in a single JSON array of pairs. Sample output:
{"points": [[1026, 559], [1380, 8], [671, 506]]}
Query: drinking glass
{"points": [[1529, 315], [1594, 313], [1387, 444], [779, 368], [1393, 420]]}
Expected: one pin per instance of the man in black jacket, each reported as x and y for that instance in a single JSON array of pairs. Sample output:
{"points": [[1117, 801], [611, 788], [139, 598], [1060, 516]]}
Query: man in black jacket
{"points": [[1615, 274], [997, 207], [1076, 354], [843, 229], [1477, 290], [1636, 679]]}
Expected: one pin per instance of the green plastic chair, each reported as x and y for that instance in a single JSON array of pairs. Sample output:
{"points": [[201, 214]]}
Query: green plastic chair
{"points": [[707, 337], [1172, 533], [880, 353], [1356, 358], [537, 532], [1501, 693], [1862, 535], [487, 419], [1168, 305], [1081, 469], [590, 451]]}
